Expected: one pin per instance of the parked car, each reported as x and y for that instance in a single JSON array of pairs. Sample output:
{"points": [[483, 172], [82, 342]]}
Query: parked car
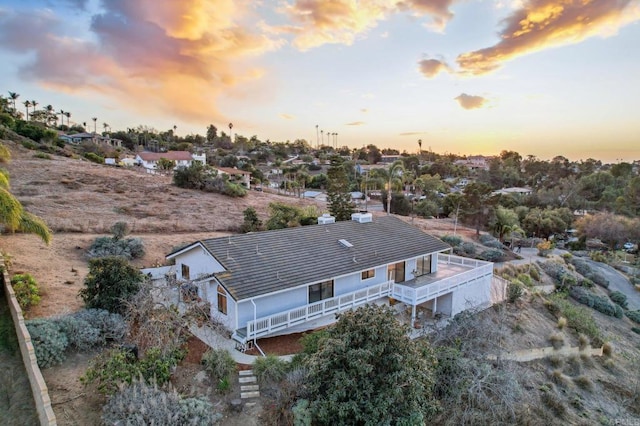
{"points": [[629, 246]]}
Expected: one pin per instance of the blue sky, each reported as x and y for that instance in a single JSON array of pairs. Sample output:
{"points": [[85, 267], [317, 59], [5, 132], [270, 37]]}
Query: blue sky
{"points": [[540, 77]]}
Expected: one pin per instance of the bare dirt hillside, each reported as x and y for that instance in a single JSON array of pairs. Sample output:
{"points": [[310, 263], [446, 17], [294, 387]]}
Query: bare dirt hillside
{"points": [[80, 201]]}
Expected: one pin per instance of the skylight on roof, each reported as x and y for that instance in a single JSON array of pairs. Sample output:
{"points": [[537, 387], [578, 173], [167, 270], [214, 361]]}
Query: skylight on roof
{"points": [[345, 243]]}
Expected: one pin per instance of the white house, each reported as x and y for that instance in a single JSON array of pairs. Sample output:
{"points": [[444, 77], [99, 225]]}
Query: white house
{"points": [[240, 176], [296, 279], [149, 160]]}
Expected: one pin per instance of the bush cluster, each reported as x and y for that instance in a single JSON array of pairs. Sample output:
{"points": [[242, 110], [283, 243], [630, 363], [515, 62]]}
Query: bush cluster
{"points": [[80, 331], [578, 318], [198, 176], [583, 268], [94, 158], [492, 255], [270, 369], [143, 404], [633, 316], [129, 248], [562, 277], [219, 364], [119, 366], [468, 248], [599, 303], [452, 240], [515, 290], [618, 298], [26, 289]]}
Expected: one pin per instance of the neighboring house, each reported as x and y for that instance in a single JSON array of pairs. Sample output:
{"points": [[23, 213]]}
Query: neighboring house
{"points": [[475, 162], [78, 138], [241, 176], [513, 190], [149, 160], [290, 280]]}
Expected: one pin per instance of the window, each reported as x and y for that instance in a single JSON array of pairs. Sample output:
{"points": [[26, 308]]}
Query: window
{"points": [[396, 272], [320, 291], [423, 266], [185, 272], [371, 273], [222, 300]]}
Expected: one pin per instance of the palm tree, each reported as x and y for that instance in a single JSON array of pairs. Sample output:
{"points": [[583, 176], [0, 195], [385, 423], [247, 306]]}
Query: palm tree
{"points": [[397, 168], [105, 126], [12, 215], [27, 104], [95, 119], [420, 148], [317, 140], [61, 117], [322, 136], [84, 125], [50, 114], [68, 114], [34, 104], [13, 96]]}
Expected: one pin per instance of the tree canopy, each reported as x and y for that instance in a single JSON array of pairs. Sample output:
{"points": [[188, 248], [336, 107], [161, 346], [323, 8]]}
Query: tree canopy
{"points": [[338, 194], [110, 282], [368, 371]]}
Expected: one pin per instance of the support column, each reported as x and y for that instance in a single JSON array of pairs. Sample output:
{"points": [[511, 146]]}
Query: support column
{"points": [[413, 315], [435, 307]]}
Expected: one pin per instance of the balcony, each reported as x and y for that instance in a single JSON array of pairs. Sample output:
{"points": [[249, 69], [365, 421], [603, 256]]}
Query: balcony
{"points": [[283, 320], [453, 272]]}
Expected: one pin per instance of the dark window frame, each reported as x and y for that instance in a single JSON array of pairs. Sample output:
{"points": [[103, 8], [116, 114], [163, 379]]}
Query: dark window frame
{"points": [[184, 271], [321, 291], [222, 300], [368, 274]]}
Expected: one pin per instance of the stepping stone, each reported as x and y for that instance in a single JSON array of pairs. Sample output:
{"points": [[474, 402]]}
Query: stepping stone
{"points": [[247, 388], [254, 394], [248, 379], [245, 373]]}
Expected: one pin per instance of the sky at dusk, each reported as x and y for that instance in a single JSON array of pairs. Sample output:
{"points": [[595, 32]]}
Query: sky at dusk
{"points": [[541, 77]]}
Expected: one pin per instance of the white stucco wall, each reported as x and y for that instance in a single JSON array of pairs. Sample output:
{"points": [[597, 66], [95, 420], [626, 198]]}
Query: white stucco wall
{"points": [[209, 291], [473, 295], [200, 263]]}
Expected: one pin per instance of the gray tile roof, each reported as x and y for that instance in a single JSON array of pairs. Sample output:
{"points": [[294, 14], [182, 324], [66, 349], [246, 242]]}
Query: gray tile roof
{"points": [[263, 262]]}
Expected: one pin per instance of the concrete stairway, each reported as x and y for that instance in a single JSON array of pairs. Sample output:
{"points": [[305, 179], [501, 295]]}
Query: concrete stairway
{"points": [[249, 387]]}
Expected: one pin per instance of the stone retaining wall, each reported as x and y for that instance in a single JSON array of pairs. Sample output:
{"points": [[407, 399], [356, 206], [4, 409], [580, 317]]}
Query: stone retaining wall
{"points": [[38, 385]]}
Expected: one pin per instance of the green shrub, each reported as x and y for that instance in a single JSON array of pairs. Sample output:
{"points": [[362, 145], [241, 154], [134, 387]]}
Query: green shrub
{"points": [[26, 289], [29, 145], [112, 326], [492, 255], [515, 290], [219, 364], [578, 318], [635, 330], [80, 334], [633, 316], [452, 240], [618, 298], [525, 279], [269, 369], [113, 368], [93, 157], [535, 274], [144, 404], [130, 248], [49, 342], [157, 366], [42, 155], [600, 304], [468, 248]]}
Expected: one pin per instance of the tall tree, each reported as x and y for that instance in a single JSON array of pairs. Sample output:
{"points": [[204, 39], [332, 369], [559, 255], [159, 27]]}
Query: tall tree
{"points": [[14, 96], [476, 206], [27, 104], [368, 371], [95, 121], [110, 283], [338, 194]]}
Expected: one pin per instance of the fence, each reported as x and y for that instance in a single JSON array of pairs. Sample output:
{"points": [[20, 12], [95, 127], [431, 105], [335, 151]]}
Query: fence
{"points": [[38, 385]]}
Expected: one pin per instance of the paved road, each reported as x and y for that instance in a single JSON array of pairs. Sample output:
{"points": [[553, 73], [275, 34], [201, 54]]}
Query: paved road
{"points": [[618, 282]]}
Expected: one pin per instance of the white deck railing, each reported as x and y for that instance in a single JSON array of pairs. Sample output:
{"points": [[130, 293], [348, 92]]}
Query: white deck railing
{"points": [[267, 325], [429, 291]]}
